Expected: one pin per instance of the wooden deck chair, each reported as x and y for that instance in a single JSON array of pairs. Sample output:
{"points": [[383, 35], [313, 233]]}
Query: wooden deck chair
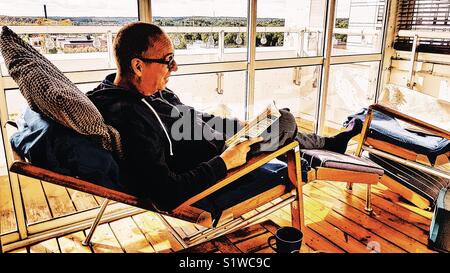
{"points": [[230, 220], [409, 160]]}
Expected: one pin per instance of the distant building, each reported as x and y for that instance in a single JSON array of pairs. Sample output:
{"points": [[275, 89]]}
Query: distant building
{"points": [[50, 22], [76, 43]]}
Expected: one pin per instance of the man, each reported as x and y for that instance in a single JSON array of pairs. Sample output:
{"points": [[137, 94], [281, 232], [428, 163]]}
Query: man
{"points": [[137, 103]]}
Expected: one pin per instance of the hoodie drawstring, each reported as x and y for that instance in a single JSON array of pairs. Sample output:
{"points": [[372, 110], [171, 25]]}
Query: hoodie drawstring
{"points": [[162, 125]]}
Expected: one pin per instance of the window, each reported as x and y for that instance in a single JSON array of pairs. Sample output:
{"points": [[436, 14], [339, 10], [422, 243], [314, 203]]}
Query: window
{"points": [[358, 27], [424, 15], [351, 87], [204, 31], [219, 93], [74, 35], [294, 88], [3, 170], [290, 28]]}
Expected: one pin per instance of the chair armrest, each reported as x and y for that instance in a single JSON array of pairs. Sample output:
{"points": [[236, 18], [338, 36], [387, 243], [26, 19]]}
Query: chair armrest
{"points": [[396, 114], [233, 175]]}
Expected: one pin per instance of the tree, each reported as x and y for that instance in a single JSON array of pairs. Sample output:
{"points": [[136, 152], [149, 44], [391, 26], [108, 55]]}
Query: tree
{"points": [[341, 23]]}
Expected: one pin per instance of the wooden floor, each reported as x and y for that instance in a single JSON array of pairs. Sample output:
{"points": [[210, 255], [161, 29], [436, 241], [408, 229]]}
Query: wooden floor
{"points": [[335, 218]]}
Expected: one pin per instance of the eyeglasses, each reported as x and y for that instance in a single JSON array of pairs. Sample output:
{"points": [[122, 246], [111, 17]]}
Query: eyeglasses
{"points": [[169, 62]]}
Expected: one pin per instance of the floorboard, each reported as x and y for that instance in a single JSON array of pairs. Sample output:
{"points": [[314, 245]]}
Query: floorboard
{"points": [[370, 223], [8, 219], [34, 200], [58, 198], [104, 240]]}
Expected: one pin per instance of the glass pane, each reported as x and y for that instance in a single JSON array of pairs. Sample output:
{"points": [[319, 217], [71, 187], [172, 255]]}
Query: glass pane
{"points": [[204, 31], [358, 27], [16, 104], [294, 88], [3, 168], [201, 92], [351, 87], [77, 34], [8, 218], [290, 28]]}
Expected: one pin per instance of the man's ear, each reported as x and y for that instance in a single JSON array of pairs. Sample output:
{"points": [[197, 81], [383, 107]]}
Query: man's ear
{"points": [[136, 66]]}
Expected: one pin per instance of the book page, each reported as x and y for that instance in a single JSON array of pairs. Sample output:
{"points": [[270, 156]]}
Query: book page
{"points": [[256, 126]]}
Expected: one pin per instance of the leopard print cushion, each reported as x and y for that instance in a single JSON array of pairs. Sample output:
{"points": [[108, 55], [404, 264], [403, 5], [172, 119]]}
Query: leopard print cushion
{"points": [[49, 92]]}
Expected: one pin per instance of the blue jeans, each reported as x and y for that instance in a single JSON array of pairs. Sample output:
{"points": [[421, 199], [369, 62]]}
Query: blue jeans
{"points": [[260, 180]]}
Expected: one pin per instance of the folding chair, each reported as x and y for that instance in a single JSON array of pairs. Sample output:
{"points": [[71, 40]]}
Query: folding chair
{"points": [[230, 220], [423, 178]]}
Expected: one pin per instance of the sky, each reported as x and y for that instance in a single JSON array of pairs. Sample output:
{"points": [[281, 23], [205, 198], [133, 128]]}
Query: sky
{"points": [[166, 8]]}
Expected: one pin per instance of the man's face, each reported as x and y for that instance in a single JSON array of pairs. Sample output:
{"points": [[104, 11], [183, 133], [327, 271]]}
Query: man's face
{"points": [[156, 75]]}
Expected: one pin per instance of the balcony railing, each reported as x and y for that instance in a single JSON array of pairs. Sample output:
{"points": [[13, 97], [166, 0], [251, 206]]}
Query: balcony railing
{"points": [[294, 38]]}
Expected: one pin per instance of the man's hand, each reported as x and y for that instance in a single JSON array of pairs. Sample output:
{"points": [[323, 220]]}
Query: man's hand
{"points": [[236, 155]]}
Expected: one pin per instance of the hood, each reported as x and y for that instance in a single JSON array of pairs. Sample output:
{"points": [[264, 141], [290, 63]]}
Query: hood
{"points": [[107, 93]]}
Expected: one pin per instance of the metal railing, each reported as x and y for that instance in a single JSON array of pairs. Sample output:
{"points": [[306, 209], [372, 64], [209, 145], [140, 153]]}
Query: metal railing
{"points": [[109, 31], [417, 35]]}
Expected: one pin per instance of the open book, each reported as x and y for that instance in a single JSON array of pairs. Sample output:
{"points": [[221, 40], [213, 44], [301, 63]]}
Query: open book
{"points": [[257, 126]]}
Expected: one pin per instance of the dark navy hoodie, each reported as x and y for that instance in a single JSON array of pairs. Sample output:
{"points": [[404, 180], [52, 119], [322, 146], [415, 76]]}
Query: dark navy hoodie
{"points": [[156, 165]]}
